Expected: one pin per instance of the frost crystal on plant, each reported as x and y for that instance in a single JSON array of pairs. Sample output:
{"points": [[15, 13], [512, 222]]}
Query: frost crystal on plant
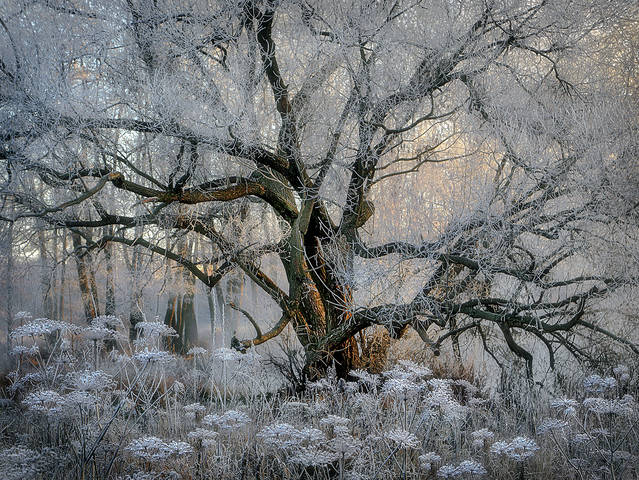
{"points": [[345, 444], [97, 333], [471, 467], [19, 463]]}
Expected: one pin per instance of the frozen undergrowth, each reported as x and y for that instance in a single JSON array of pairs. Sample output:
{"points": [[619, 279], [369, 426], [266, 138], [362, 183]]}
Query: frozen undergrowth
{"points": [[75, 412]]}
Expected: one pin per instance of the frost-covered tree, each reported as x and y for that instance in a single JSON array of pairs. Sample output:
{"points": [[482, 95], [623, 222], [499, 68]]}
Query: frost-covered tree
{"points": [[449, 165]]}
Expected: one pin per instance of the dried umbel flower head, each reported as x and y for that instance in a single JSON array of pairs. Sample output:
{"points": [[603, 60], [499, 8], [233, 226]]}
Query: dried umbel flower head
{"points": [[38, 328], [107, 321], [153, 449], [193, 410], [197, 351], [344, 444], [334, 421], [465, 468], [19, 463], [231, 419], [401, 387], [403, 439], [597, 384], [481, 436], [227, 354], [366, 379], [622, 372], [567, 404], [90, 380], [26, 350], [96, 333], [310, 435], [204, 437], [280, 435], [602, 406], [518, 449], [154, 357], [427, 460], [415, 369], [550, 425], [155, 329], [441, 397], [44, 401]]}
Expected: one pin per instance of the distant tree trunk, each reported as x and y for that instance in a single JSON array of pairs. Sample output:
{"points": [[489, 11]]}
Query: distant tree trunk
{"points": [[54, 277], [86, 281], [45, 274], [210, 299], [63, 271], [95, 295], [173, 318], [109, 305], [7, 252], [136, 298], [180, 309], [215, 299]]}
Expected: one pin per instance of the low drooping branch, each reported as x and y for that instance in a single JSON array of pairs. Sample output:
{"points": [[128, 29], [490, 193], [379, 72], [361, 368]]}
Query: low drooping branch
{"points": [[249, 317], [272, 333]]}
